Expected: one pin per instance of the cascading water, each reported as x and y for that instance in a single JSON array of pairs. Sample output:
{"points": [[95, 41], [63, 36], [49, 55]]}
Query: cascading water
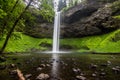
{"points": [[56, 34]]}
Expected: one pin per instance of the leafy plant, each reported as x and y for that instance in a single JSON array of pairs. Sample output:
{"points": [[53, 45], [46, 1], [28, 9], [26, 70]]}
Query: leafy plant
{"points": [[47, 11]]}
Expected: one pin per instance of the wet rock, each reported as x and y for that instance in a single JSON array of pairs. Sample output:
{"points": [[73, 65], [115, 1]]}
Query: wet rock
{"points": [[27, 76], [90, 20], [93, 66], [55, 78], [14, 59], [109, 62], [2, 59], [2, 67], [116, 69], [76, 70], [102, 70], [42, 76], [82, 74], [47, 65], [102, 74], [104, 65], [13, 72], [42, 65], [39, 69], [12, 65], [94, 75], [80, 78], [113, 57]]}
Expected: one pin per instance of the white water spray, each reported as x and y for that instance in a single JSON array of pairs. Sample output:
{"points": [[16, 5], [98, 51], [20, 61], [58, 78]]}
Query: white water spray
{"points": [[56, 34]]}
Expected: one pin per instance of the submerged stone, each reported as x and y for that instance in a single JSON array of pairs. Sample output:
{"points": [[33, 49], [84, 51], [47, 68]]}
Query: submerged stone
{"points": [[2, 59], [2, 67], [116, 69], [80, 78], [93, 66], [39, 69], [76, 70], [102, 74], [13, 72], [42, 76], [28, 76], [94, 75]]}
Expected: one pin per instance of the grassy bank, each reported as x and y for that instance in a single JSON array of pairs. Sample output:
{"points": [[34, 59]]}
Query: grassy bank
{"points": [[22, 43], [101, 43]]}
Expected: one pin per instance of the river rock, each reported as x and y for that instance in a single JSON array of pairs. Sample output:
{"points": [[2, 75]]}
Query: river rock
{"points": [[104, 65], [76, 70], [42, 76], [42, 65], [116, 69], [12, 65], [93, 66], [27, 76], [2, 67], [2, 59], [13, 72], [109, 62], [47, 65], [102, 74], [80, 78], [94, 75], [39, 69]]}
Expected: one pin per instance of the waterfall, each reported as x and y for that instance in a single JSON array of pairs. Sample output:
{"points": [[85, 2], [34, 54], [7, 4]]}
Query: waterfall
{"points": [[56, 33]]}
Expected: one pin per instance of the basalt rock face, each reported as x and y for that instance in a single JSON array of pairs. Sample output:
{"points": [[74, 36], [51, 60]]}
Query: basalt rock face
{"points": [[41, 31], [91, 20], [91, 17], [84, 9]]}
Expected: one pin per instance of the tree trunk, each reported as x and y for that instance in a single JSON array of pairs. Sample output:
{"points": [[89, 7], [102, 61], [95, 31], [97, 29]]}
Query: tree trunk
{"points": [[13, 27], [8, 16]]}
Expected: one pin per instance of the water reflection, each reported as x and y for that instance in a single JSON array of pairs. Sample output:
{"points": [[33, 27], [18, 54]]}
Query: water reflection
{"points": [[55, 66]]}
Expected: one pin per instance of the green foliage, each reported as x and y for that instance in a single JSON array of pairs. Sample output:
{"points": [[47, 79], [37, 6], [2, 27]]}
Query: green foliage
{"points": [[107, 43], [115, 6], [47, 11], [22, 43], [2, 13], [101, 43], [117, 17], [9, 12]]}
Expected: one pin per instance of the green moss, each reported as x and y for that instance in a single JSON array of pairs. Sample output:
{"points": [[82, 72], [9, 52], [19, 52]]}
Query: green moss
{"points": [[116, 17], [101, 43], [22, 43]]}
